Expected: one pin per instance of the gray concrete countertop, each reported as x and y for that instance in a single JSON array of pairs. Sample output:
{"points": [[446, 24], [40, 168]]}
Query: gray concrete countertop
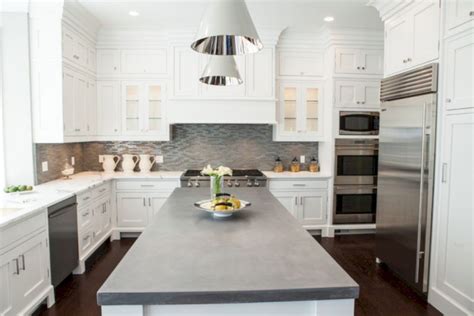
{"points": [[261, 254]]}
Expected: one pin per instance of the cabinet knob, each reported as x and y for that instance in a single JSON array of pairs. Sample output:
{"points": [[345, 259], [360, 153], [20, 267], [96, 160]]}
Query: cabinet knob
{"points": [[115, 68], [471, 13], [363, 102], [358, 102], [404, 61], [408, 59], [448, 100], [358, 68], [363, 68]]}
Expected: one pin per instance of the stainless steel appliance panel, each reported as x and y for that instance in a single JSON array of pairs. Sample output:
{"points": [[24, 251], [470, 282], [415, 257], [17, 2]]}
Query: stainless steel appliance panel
{"points": [[354, 204], [406, 155], [356, 161], [63, 246], [358, 123]]}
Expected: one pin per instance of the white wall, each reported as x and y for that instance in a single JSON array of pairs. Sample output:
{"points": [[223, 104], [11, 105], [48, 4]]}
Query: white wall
{"points": [[17, 131]]}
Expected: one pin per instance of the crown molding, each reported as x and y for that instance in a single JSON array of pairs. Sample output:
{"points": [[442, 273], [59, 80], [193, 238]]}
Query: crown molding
{"points": [[78, 17], [388, 8]]}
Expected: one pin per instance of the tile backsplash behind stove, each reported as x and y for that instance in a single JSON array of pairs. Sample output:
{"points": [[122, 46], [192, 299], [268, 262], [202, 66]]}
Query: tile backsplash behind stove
{"points": [[192, 147]]}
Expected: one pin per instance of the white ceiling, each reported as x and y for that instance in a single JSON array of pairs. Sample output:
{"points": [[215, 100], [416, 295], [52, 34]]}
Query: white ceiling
{"points": [[169, 14]]}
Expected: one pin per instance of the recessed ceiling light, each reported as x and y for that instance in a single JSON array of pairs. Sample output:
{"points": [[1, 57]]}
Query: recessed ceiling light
{"points": [[329, 18], [133, 13]]}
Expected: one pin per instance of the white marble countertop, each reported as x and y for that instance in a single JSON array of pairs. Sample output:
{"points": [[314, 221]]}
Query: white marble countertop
{"points": [[14, 206], [295, 175]]}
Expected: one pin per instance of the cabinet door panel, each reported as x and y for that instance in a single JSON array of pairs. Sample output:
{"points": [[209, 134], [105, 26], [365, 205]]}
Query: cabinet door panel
{"points": [[92, 59], [371, 62], [155, 202], [288, 200], [80, 52], [108, 61], [91, 109], [8, 276], [132, 62], [346, 93], [108, 108], [186, 72], [80, 105], [68, 43], [154, 108], [347, 61], [106, 217], [425, 33], [260, 79], [455, 218], [155, 61], [311, 116], [68, 101], [398, 44], [132, 210], [300, 64], [370, 94], [312, 209], [458, 12], [33, 277], [458, 81], [132, 107]]}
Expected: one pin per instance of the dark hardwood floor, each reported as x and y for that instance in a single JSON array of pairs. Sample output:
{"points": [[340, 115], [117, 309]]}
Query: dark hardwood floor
{"points": [[381, 293]]}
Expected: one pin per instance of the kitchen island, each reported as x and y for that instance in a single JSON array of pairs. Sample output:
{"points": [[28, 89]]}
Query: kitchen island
{"points": [[258, 261]]}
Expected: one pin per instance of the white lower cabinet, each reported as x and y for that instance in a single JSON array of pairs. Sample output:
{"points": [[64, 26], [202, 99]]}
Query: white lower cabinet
{"points": [[138, 202], [305, 200], [24, 268]]}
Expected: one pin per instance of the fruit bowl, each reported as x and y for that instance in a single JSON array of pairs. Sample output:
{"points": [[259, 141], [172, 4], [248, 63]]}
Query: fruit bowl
{"points": [[221, 209]]}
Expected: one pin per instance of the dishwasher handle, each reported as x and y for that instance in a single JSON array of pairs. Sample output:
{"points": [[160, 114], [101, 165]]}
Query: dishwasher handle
{"points": [[61, 211]]}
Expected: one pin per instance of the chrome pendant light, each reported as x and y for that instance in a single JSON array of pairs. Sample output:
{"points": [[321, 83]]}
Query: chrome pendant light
{"points": [[227, 29], [221, 71]]}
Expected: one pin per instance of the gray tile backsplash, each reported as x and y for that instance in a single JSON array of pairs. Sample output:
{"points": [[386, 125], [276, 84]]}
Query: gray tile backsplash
{"points": [[192, 146]]}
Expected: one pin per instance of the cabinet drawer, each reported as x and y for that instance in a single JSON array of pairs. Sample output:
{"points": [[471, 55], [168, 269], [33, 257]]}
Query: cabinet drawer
{"points": [[297, 185], [84, 198], [84, 218], [100, 191], [23, 229], [167, 185], [86, 240]]}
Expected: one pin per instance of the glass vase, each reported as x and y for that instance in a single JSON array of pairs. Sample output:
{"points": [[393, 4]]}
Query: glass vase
{"points": [[217, 185]]}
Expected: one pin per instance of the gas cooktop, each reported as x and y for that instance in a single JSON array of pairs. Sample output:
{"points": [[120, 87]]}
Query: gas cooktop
{"points": [[235, 173]]}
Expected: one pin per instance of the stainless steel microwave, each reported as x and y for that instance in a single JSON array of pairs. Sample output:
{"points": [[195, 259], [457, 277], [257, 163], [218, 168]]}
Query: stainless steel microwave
{"points": [[358, 123]]}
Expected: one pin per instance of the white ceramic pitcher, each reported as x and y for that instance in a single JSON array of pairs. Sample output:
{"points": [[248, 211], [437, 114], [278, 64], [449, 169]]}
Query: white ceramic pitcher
{"points": [[128, 164], [146, 162], [109, 163]]}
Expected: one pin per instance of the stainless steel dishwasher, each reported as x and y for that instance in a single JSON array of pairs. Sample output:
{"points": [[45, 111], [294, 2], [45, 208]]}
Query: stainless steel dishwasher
{"points": [[63, 247]]}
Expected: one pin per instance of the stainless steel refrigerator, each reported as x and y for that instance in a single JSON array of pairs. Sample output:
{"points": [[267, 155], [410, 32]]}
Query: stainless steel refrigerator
{"points": [[405, 173]]}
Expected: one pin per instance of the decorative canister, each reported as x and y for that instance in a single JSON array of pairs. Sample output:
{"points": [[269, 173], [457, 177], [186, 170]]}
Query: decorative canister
{"points": [[278, 165], [295, 165], [314, 165]]}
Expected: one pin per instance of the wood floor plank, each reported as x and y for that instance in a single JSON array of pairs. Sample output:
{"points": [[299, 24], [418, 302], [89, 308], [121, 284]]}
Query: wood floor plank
{"points": [[381, 292]]}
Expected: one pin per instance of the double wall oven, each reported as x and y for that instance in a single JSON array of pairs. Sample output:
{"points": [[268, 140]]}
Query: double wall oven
{"points": [[355, 183]]}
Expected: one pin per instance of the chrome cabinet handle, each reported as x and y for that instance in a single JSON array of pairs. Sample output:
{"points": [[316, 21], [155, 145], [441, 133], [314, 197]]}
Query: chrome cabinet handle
{"points": [[296, 200], [444, 173], [86, 198], [17, 271], [144, 203], [103, 190], [85, 214], [301, 200], [86, 238], [299, 185], [23, 266], [76, 57], [149, 201], [147, 185]]}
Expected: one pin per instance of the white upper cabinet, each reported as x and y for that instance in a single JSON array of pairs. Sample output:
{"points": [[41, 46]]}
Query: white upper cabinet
{"points": [[75, 103], [357, 93], [260, 73], [412, 39], [256, 70], [458, 79], [144, 61], [459, 15], [108, 61], [77, 50], [359, 61], [186, 72], [108, 108], [300, 64], [143, 109], [299, 114]]}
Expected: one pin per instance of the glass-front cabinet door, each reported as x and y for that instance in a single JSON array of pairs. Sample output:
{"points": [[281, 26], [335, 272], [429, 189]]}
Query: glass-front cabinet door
{"points": [[143, 108], [131, 112], [299, 113]]}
